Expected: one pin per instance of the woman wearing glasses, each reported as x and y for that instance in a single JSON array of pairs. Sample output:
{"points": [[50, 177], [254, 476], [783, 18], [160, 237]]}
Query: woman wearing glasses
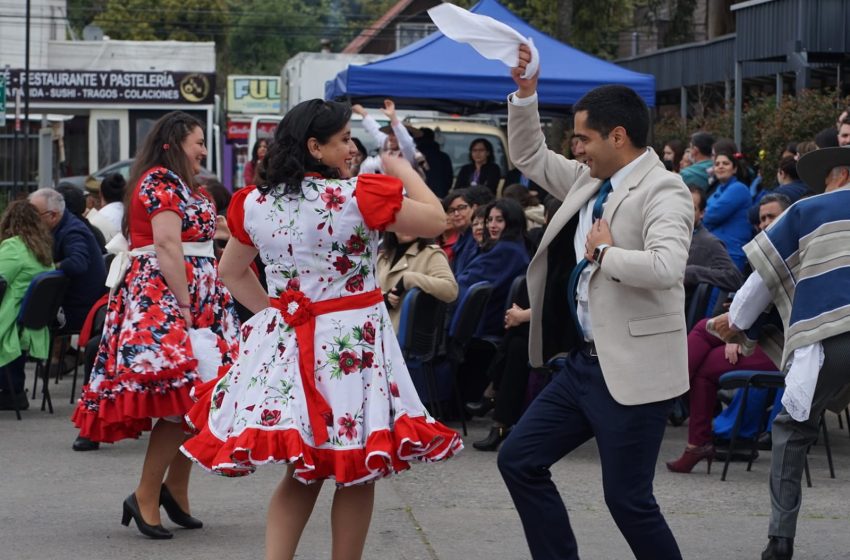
{"points": [[482, 169]]}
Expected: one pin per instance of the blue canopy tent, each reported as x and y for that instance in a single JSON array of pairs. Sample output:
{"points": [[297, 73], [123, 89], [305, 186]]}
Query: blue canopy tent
{"points": [[439, 74]]}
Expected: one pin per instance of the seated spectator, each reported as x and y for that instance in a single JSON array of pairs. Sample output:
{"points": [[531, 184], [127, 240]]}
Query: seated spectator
{"points": [[790, 186], [409, 262], [827, 138], [726, 211], [479, 217], [75, 252], [534, 212], [790, 151], [804, 148], [221, 198], [550, 206], [482, 169], [25, 251], [109, 217], [503, 258], [75, 203], [672, 155], [709, 358], [700, 156], [508, 373], [708, 259], [440, 173], [460, 206]]}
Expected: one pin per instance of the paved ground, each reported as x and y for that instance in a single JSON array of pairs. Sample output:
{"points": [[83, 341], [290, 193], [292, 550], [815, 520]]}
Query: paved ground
{"points": [[62, 505]]}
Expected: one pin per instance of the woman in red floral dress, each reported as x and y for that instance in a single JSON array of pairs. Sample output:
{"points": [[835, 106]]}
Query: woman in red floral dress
{"points": [[320, 383], [145, 367]]}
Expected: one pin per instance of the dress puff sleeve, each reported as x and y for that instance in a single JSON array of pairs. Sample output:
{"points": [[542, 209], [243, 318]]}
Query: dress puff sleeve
{"points": [[236, 216], [379, 199], [160, 191]]}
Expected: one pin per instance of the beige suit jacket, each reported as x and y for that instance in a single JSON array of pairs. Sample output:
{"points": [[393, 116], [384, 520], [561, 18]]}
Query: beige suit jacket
{"points": [[637, 298], [427, 270]]}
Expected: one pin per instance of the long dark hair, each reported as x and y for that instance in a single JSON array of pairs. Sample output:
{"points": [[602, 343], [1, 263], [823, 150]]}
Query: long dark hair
{"points": [[287, 158], [22, 219], [491, 157], [515, 227], [256, 149], [390, 243], [163, 147]]}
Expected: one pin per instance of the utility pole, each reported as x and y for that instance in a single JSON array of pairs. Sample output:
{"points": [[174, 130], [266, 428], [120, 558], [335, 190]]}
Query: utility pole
{"points": [[26, 86]]}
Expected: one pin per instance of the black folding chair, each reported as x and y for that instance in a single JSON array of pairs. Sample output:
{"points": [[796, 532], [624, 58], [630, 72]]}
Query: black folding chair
{"points": [[420, 330], [763, 380], [96, 331], [698, 304], [464, 323], [38, 310]]}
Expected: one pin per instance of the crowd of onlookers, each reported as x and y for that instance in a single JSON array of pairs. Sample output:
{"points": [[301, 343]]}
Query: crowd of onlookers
{"points": [[493, 226]]}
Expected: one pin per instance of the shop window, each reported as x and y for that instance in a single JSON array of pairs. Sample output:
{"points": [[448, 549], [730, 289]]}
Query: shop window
{"points": [[108, 142]]}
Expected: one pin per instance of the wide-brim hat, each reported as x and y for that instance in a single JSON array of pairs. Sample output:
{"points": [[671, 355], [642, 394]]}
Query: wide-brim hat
{"points": [[814, 167], [414, 132]]}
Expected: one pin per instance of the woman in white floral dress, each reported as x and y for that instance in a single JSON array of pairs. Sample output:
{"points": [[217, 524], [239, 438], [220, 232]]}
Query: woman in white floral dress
{"points": [[320, 382]]}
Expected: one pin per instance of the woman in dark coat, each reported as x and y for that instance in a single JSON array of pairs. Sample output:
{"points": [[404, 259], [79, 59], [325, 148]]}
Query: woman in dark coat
{"points": [[483, 169]]}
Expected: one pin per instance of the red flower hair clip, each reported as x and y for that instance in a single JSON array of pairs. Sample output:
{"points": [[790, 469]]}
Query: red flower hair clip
{"points": [[738, 155], [165, 147]]}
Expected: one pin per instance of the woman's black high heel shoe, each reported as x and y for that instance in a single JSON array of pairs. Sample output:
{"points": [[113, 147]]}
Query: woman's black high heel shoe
{"points": [[482, 407], [131, 510], [175, 513], [491, 443]]}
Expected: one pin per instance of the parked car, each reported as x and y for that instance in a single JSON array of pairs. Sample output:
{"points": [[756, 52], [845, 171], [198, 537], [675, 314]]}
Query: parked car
{"points": [[91, 183]]}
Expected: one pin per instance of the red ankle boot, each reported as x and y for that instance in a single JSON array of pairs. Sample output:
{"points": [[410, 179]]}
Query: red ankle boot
{"points": [[691, 457]]}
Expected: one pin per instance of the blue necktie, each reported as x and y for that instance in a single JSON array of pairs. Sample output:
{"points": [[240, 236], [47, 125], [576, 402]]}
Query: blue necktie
{"points": [[572, 287]]}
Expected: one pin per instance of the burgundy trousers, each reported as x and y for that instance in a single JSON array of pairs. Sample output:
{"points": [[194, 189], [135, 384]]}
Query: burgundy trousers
{"points": [[706, 363]]}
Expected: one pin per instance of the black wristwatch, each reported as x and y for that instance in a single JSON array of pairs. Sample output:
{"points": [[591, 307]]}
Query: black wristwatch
{"points": [[599, 252]]}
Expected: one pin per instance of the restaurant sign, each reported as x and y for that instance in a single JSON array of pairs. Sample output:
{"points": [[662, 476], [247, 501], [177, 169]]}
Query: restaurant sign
{"points": [[115, 87]]}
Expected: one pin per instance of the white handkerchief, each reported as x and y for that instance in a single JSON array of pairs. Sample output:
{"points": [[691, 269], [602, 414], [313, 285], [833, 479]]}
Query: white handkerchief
{"points": [[205, 349], [801, 380], [491, 38]]}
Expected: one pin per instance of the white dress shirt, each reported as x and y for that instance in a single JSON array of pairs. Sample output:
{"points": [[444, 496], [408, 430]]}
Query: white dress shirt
{"points": [[803, 365], [585, 222]]}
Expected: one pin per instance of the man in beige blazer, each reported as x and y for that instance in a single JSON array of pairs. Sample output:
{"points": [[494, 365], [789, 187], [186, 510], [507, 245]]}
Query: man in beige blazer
{"points": [[607, 285]]}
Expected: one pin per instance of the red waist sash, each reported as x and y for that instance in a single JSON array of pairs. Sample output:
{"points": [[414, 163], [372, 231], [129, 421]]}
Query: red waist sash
{"points": [[300, 313]]}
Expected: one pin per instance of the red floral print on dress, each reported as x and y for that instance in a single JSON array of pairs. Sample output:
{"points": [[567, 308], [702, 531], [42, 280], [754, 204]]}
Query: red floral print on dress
{"points": [[349, 362], [347, 427], [269, 417]]}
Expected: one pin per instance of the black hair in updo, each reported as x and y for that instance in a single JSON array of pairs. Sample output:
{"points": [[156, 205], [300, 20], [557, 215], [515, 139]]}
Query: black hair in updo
{"points": [[287, 159]]}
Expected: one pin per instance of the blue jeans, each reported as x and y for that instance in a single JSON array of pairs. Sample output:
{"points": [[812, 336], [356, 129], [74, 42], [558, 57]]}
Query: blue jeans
{"points": [[575, 407]]}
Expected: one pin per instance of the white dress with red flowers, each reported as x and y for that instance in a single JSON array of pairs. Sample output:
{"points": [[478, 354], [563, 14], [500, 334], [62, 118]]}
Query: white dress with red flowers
{"points": [[145, 367], [320, 381]]}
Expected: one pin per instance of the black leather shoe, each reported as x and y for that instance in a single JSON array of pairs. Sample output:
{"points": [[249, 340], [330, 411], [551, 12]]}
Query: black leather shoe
{"points": [[84, 444], [491, 443], [480, 408], [778, 548], [131, 511], [175, 513]]}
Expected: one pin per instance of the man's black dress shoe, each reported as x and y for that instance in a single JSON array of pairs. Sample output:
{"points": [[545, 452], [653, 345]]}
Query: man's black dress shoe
{"points": [[779, 548], [84, 444], [493, 440]]}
